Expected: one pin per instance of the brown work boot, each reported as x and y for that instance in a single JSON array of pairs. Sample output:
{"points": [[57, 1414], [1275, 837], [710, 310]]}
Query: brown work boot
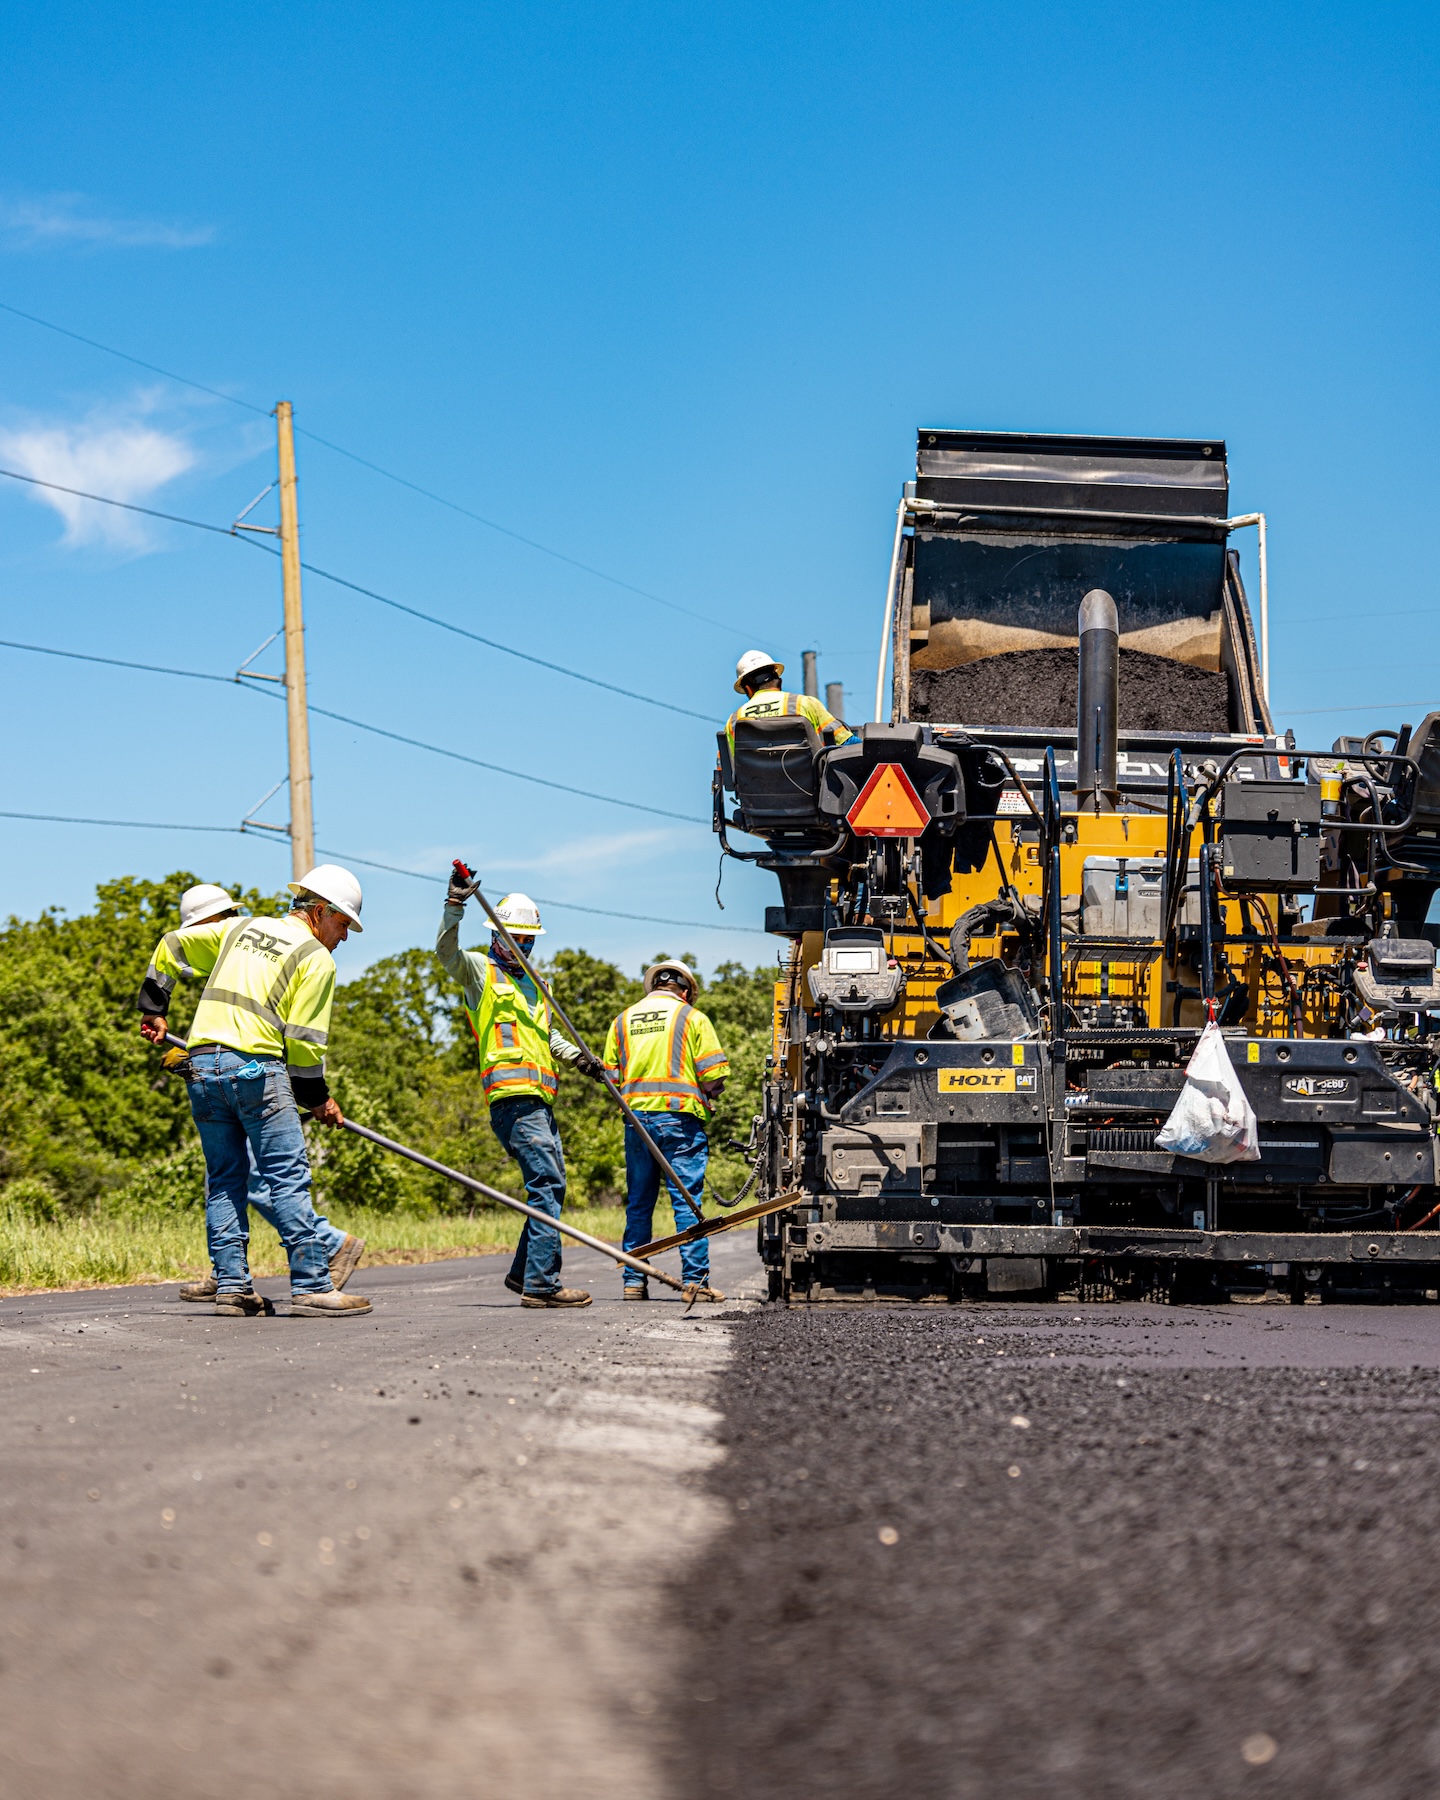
{"points": [[705, 1292], [635, 1290], [246, 1305], [200, 1290], [561, 1297], [346, 1260], [327, 1306]]}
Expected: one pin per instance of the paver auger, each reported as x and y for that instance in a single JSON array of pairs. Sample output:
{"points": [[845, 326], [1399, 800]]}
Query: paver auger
{"points": [[1014, 903]]}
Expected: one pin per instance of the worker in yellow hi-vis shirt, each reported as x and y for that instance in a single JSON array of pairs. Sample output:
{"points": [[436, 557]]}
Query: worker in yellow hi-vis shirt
{"points": [[757, 677], [664, 1056], [257, 1046]]}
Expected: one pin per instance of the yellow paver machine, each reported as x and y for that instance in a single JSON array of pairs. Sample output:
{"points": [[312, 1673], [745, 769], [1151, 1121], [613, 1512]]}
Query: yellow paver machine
{"points": [[1015, 903]]}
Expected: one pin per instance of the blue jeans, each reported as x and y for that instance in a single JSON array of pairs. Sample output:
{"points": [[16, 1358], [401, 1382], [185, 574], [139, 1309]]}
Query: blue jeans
{"points": [[527, 1129], [257, 1196], [682, 1138], [243, 1106]]}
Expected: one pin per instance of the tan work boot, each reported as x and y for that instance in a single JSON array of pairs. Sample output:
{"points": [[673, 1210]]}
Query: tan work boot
{"points": [[635, 1290], [242, 1306], [200, 1290], [346, 1260], [705, 1292], [561, 1297], [327, 1306]]}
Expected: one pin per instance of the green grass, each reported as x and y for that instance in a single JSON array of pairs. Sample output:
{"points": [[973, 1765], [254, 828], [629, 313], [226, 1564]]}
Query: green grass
{"points": [[101, 1252]]}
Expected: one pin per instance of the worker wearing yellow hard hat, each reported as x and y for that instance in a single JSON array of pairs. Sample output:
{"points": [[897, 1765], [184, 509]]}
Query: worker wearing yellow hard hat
{"points": [[757, 677], [663, 1055], [256, 1054], [518, 1048]]}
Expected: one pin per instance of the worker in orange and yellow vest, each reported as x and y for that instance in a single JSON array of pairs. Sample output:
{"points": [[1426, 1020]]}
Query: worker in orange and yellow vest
{"points": [[757, 677], [663, 1055], [518, 1046]]}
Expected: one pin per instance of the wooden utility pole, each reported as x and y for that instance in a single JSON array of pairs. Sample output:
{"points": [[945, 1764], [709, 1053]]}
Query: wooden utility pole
{"points": [[302, 821]]}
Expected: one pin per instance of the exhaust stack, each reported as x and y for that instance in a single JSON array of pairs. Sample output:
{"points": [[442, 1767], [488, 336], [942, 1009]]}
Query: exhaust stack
{"points": [[1098, 723]]}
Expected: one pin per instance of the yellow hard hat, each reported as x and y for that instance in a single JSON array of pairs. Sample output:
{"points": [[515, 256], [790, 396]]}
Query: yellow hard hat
{"points": [[750, 664]]}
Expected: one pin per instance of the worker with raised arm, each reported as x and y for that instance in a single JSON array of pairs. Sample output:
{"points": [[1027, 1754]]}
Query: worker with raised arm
{"points": [[663, 1055], [757, 677], [342, 1251], [518, 1046], [257, 1054]]}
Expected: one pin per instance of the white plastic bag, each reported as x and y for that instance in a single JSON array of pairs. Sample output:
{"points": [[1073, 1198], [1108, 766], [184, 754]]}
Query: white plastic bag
{"points": [[1212, 1119]]}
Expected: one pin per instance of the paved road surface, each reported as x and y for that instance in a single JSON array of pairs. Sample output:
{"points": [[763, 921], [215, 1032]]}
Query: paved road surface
{"points": [[457, 1548], [1035, 1553], [419, 1554]]}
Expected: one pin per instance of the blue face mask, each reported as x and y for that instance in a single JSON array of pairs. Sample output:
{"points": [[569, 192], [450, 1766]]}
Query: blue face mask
{"points": [[502, 951]]}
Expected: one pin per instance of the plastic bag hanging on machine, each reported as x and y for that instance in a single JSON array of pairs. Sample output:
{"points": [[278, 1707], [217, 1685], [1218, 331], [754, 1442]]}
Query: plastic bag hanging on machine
{"points": [[1212, 1120]]}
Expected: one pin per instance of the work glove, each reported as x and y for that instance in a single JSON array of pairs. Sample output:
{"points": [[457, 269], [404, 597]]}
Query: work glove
{"points": [[458, 891], [590, 1065]]}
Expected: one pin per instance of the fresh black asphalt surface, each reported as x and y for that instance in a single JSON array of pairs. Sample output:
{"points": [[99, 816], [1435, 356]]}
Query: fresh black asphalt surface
{"points": [[1016, 1552], [456, 1548]]}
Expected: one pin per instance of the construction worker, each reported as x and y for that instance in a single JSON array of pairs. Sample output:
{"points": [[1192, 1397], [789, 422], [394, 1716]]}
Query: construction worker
{"points": [[257, 1048], [342, 1251], [518, 1046], [757, 677], [666, 1060]]}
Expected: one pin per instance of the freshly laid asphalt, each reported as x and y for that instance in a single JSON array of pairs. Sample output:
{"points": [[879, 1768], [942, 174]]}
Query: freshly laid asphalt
{"points": [[1016, 1552], [416, 1554], [457, 1548]]}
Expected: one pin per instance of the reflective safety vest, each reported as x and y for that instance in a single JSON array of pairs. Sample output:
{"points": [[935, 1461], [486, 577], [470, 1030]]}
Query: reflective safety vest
{"points": [[269, 988], [773, 704], [659, 1051], [514, 1039]]}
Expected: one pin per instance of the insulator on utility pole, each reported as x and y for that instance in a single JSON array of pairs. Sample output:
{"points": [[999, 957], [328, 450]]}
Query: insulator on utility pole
{"points": [[302, 821], [812, 679], [835, 698]]}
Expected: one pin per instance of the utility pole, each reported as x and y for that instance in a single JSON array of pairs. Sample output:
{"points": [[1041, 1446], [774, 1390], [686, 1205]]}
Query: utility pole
{"points": [[302, 822]]}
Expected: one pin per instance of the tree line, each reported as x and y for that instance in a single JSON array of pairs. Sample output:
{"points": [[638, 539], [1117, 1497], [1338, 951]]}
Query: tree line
{"points": [[90, 1123]]}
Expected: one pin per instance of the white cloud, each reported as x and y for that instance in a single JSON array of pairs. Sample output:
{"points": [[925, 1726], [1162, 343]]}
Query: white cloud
{"points": [[60, 219], [590, 853], [125, 460]]}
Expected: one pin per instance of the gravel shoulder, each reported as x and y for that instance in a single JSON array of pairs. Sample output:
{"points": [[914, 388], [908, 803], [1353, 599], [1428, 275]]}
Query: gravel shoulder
{"points": [[1006, 1553]]}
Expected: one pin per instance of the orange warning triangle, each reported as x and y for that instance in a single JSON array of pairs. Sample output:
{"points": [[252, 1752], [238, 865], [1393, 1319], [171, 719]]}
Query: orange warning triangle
{"points": [[888, 806]]}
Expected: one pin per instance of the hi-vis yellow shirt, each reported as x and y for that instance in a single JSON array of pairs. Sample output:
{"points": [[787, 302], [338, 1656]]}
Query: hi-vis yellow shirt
{"points": [[510, 1021], [269, 986], [659, 1051], [773, 704]]}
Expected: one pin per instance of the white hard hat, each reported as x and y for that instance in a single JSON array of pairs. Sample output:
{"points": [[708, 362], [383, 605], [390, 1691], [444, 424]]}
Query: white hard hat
{"points": [[336, 885], [750, 664], [203, 902], [520, 916], [656, 970]]}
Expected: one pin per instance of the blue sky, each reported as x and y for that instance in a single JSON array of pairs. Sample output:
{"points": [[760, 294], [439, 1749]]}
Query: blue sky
{"points": [[668, 290]]}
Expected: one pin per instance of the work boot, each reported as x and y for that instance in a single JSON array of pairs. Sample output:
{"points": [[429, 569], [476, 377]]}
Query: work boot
{"points": [[346, 1260], [561, 1297], [244, 1304], [200, 1290], [327, 1306], [636, 1290], [705, 1292]]}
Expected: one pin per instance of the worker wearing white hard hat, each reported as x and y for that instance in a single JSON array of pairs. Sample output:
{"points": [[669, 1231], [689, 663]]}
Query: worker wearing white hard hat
{"points": [[343, 1252], [663, 1055], [758, 678], [518, 1048], [256, 1054]]}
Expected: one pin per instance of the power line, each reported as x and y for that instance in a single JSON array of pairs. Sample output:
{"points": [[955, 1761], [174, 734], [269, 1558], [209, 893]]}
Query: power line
{"points": [[354, 586], [359, 725], [367, 863], [375, 468], [497, 769]]}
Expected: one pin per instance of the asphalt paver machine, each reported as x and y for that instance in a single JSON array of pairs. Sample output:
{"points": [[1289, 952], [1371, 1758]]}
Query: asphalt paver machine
{"points": [[1013, 904]]}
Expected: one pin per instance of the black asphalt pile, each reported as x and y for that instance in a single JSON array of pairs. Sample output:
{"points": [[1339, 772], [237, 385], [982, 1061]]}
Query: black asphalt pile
{"points": [[952, 1572], [1038, 687]]}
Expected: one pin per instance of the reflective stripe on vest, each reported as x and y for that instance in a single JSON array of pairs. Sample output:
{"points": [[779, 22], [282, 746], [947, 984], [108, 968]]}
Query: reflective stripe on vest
{"points": [[513, 1042]]}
